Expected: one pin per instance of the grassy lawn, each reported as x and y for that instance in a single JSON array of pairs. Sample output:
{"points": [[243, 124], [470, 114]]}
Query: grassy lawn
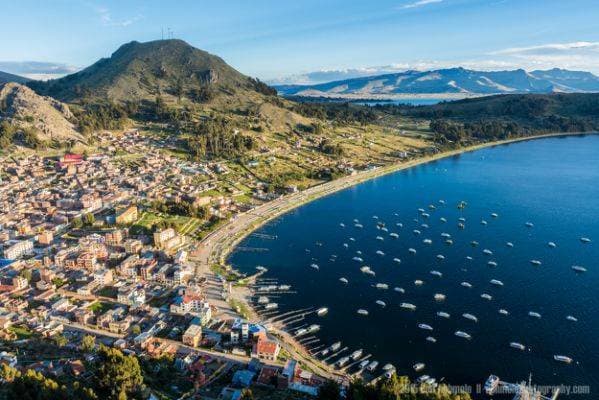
{"points": [[183, 225], [100, 307], [21, 331]]}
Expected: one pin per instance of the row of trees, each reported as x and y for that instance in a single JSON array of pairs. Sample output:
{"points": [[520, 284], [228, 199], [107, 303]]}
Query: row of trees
{"points": [[394, 388], [341, 113], [115, 377], [27, 136], [217, 138], [183, 207], [112, 116]]}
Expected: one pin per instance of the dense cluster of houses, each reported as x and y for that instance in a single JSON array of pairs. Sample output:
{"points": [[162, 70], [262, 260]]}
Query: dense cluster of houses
{"points": [[62, 270]]}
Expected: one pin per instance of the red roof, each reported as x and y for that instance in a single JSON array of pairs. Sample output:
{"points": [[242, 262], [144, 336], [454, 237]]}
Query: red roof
{"points": [[266, 346]]}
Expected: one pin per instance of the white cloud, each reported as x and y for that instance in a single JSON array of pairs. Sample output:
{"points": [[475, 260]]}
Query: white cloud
{"points": [[107, 20], [579, 55], [420, 3]]}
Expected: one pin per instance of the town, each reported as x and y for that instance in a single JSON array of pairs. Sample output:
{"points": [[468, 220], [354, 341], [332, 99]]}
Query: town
{"points": [[87, 253]]}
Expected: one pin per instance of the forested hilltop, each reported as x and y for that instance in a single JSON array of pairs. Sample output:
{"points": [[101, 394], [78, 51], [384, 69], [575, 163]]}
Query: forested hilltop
{"points": [[505, 116]]}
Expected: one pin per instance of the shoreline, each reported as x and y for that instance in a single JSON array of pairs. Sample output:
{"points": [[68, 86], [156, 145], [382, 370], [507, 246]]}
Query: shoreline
{"points": [[216, 247]]}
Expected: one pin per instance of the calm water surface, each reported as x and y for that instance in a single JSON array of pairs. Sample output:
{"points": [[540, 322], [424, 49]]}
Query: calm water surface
{"points": [[553, 183]]}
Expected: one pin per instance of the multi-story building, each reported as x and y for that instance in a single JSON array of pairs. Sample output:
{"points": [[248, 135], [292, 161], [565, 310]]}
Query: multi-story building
{"points": [[18, 249], [193, 335]]}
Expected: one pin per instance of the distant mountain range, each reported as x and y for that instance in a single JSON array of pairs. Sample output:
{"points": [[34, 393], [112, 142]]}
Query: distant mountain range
{"points": [[454, 81]]}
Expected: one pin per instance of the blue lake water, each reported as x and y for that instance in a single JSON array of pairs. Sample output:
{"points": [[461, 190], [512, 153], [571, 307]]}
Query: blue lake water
{"points": [[553, 183], [416, 101]]}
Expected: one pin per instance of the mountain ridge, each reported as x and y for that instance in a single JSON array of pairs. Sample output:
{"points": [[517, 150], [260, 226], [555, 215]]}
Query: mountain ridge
{"points": [[144, 70], [6, 77], [452, 81]]}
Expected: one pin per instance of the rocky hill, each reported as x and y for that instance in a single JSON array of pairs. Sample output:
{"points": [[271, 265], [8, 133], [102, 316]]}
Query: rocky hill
{"points": [[142, 71], [23, 108], [452, 81]]}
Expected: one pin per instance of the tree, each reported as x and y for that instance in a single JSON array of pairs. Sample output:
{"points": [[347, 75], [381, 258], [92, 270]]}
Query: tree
{"points": [[88, 343], [329, 391], [77, 223], [246, 394], [60, 340], [117, 375], [88, 219]]}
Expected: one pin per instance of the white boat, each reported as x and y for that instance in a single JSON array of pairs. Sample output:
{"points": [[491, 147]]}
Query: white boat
{"points": [[494, 215], [408, 306], [271, 306], [359, 226], [488, 252], [443, 314], [509, 244], [342, 361], [463, 334], [483, 222], [397, 260], [372, 366], [388, 367], [529, 224], [425, 215], [399, 290], [461, 225], [315, 266], [301, 332], [470, 317], [534, 314], [439, 297], [356, 220], [418, 282], [445, 235], [416, 232], [503, 311], [375, 217], [358, 259], [359, 252], [361, 311], [466, 285], [449, 242], [382, 286], [444, 220], [380, 253], [427, 241], [345, 245], [384, 229], [535, 262], [492, 263], [341, 224], [356, 354], [322, 311], [335, 346], [496, 282], [431, 339], [491, 384], [462, 219], [571, 318], [366, 270], [551, 244], [381, 303], [261, 268], [343, 280], [563, 359], [324, 352], [469, 258], [284, 287], [262, 300], [412, 250], [421, 210], [394, 235], [399, 224], [578, 268], [426, 327], [351, 239], [313, 328], [440, 257], [517, 345], [432, 207], [380, 238], [363, 364], [436, 273], [585, 240], [418, 366], [442, 201], [486, 296]]}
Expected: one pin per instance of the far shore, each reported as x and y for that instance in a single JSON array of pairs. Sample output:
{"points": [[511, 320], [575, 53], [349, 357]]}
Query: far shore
{"points": [[215, 247]]}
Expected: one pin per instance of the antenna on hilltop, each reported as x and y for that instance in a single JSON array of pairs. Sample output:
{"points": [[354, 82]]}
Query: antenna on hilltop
{"points": [[162, 36]]}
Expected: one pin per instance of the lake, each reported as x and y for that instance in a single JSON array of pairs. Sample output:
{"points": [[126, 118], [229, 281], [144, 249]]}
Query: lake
{"points": [[552, 183]]}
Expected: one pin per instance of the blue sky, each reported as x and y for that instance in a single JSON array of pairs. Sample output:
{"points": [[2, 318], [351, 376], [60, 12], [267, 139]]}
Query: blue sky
{"points": [[282, 39]]}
